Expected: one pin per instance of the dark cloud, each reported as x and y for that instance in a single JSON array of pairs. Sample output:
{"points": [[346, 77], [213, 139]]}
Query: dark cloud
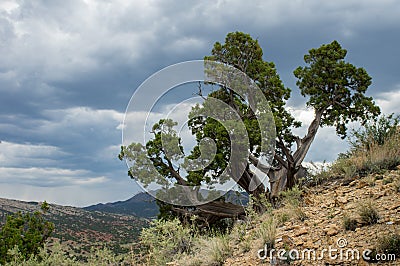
{"points": [[68, 69]]}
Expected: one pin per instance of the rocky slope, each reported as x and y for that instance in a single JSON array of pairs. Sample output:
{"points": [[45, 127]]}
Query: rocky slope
{"points": [[325, 208]]}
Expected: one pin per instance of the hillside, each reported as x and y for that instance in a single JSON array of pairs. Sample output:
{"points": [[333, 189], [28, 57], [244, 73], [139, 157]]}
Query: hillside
{"points": [[324, 211], [80, 229]]}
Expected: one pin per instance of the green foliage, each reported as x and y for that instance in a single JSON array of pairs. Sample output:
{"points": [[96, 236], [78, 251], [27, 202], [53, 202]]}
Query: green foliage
{"points": [[220, 249], [292, 196], [368, 213], [267, 232], [26, 231], [166, 240], [376, 131], [243, 52], [102, 257], [335, 87], [349, 223], [389, 244]]}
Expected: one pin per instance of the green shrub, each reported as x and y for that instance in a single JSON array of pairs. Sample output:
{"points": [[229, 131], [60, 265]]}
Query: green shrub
{"points": [[387, 180], [267, 232], [368, 213], [377, 131], [220, 249], [389, 244], [292, 196], [166, 240], [349, 223], [27, 231]]}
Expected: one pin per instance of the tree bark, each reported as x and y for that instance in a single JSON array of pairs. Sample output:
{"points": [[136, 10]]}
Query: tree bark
{"points": [[287, 175]]}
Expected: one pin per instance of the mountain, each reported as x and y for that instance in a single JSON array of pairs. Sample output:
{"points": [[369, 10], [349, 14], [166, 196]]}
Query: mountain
{"points": [[142, 205], [79, 229]]}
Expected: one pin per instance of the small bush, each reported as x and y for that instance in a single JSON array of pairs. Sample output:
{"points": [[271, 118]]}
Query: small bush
{"points": [[245, 245], [281, 217], [220, 249], [292, 196], [389, 244], [378, 131], [368, 213], [370, 180], [166, 240], [349, 223], [387, 180], [267, 232]]}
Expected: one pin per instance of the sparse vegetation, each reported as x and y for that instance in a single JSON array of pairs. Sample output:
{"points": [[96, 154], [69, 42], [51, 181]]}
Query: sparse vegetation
{"points": [[375, 148], [368, 213], [292, 196], [389, 244], [349, 223], [166, 240], [267, 232], [220, 249]]}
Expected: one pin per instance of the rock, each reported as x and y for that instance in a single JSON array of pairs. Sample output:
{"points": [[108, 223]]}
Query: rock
{"points": [[287, 240], [301, 231], [298, 242], [342, 200], [362, 184], [332, 230]]}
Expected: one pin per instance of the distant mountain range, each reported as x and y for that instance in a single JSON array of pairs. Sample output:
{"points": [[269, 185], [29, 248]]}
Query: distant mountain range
{"points": [[144, 205]]}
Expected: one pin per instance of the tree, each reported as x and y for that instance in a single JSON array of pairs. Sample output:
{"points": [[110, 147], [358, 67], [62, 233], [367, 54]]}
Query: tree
{"points": [[335, 90], [28, 231]]}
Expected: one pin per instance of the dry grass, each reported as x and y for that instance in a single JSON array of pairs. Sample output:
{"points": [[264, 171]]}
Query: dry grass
{"points": [[377, 157]]}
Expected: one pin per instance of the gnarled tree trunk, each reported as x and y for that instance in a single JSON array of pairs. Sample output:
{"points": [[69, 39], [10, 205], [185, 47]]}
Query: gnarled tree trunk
{"points": [[287, 174]]}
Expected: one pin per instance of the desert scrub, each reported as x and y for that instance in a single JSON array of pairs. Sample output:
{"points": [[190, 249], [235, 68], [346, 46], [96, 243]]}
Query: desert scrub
{"points": [[370, 180], [166, 241], [292, 196], [267, 232], [292, 200], [368, 213], [389, 244], [349, 223], [220, 249], [387, 180]]}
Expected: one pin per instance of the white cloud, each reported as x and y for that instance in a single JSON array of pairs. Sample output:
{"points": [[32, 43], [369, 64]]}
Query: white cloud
{"points": [[48, 177], [326, 145], [389, 102], [15, 154], [79, 117]]}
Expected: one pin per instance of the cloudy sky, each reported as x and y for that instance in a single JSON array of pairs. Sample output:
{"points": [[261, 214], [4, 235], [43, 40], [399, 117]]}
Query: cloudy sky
{"points": [[69, 68]]}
